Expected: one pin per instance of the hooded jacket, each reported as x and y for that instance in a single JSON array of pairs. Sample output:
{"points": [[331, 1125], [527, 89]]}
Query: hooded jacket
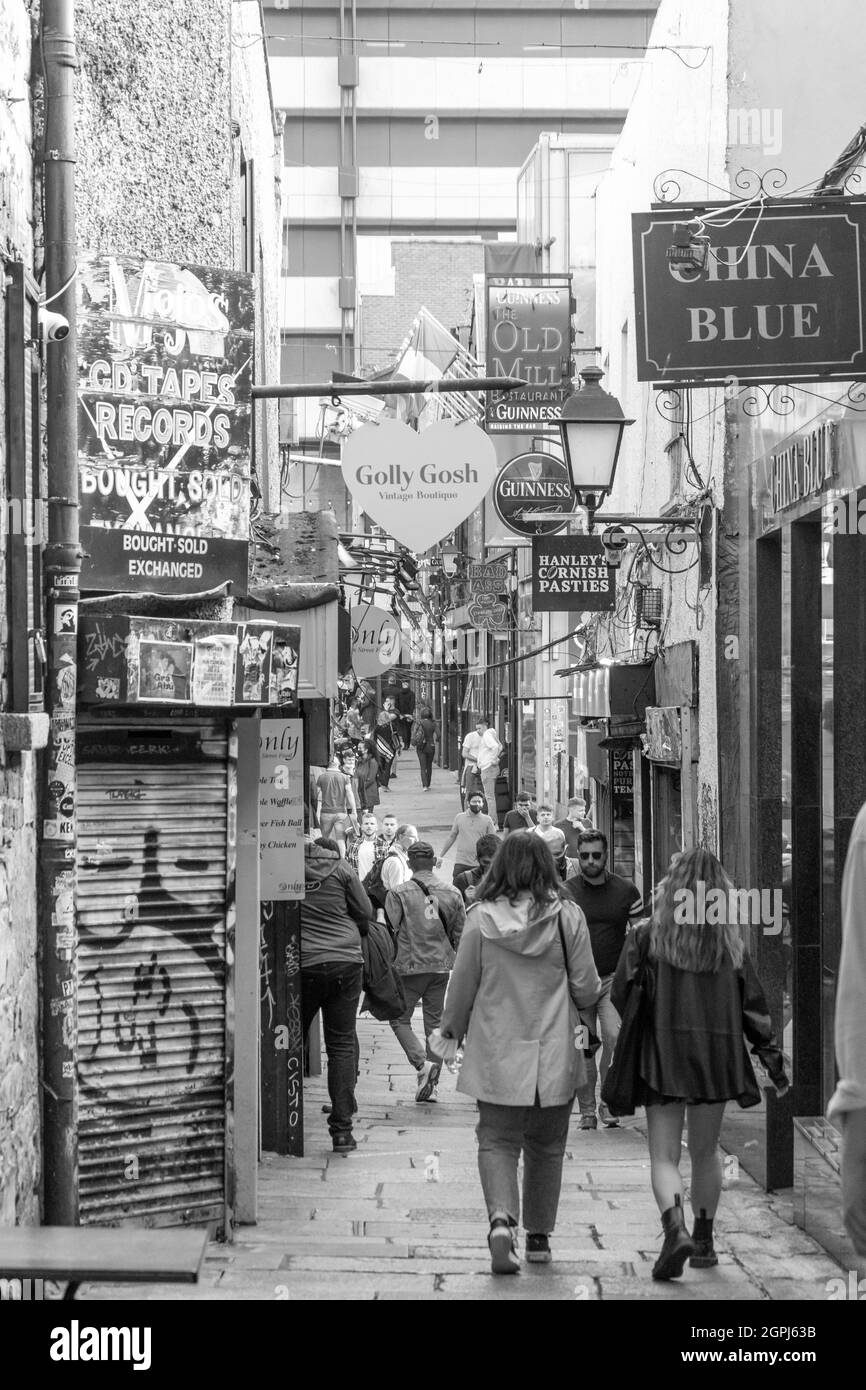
{"points": [[334, 911], [515, 1003]]}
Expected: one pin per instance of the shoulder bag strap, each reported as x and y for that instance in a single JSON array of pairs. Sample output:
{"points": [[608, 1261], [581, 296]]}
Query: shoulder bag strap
{"points": [[430, 898]]}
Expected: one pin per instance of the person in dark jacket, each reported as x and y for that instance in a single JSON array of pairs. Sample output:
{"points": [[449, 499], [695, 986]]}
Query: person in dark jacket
{"points": [[367, 776], [334, 915], [386, 748], [704, 997], [426, 748]]}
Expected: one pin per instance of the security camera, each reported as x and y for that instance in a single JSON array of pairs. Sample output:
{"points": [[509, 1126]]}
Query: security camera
{"points": [[53, 327]]}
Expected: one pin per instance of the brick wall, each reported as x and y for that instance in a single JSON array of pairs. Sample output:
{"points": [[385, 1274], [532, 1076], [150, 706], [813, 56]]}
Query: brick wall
{"points": [[433, 274], [19, 1090]]}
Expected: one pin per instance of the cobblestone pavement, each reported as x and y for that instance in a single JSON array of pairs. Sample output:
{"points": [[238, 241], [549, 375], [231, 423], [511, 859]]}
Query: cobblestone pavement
{"points": [[402, 1217]]}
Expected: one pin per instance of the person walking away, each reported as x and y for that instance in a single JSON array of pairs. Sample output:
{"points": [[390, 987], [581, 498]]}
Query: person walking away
{"points": [[467, 830], [572, 825], [847, 1108], [488, 755], [704, 996], [469, 779], [522, 816], [386, 750], [334, 915], [425, 736], [367, 777], [395, 865], [367, 848], [610, 905], [334, 797], [468, 881], [523, 965], [405, 702], [426, 918]]}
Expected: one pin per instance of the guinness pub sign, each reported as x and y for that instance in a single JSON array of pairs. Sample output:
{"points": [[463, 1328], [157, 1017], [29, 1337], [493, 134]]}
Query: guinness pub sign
{"points": [[529, 337], [780, 297]]}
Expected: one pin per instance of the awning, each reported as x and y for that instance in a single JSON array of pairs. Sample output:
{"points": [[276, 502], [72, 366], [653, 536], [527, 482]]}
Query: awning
{"points": [[614, 692]]}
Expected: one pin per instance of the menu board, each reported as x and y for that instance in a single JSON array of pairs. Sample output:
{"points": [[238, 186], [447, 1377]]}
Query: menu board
{"points": [[281, 810]]}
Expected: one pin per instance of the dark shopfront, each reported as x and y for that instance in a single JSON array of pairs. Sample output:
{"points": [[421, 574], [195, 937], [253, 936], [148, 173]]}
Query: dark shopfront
{"points": [[803, 619]]}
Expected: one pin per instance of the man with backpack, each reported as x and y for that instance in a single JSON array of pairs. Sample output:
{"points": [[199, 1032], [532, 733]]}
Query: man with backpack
{"points": [[390, 868], [427, 919]]}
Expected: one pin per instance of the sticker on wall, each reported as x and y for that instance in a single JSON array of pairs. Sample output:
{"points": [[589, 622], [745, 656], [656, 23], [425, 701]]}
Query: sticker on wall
{"points": [[164, 671], [419, 487], [66, 619]]}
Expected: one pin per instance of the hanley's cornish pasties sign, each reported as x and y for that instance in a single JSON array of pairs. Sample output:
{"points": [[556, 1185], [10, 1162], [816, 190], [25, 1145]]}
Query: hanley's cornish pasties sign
{"points": [[165, 355], [570, 575]]}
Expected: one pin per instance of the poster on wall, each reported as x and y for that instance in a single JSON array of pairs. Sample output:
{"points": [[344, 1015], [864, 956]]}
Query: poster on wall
{"points": [[214, 671], [570, 574], [164, 415], [164, 670], [281, 810]]}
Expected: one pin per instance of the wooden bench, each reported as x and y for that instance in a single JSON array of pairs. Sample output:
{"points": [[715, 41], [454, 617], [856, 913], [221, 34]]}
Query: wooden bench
{"points": [[91, 1254]]}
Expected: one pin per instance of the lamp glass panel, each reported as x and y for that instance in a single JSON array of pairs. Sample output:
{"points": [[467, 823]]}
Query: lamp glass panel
{"points": [[592, 449]]}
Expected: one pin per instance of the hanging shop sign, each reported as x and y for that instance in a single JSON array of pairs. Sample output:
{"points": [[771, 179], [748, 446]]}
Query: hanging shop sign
{"points": [[805, 468], [529, 336], [165, 367], [376, 640], [165, 661], [487, 577], [488, 613], [281, 810], [570, 574], [419, 487], [780, 298], [533, 495]]}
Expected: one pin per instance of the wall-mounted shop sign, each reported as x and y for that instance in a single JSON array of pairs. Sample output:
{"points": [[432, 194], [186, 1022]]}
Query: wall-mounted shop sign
{"points": [[488, 613], [419, 487], [487, 577], [376, 639], [533, 495], [165, 366], [781, 296], [168, 661], [622, 766], [570, 574], [663, 741], [529, 336], [804, 468], [281, 810]]}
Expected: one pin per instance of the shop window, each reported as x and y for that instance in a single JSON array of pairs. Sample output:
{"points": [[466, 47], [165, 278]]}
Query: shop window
{"points": [[25, 520]]}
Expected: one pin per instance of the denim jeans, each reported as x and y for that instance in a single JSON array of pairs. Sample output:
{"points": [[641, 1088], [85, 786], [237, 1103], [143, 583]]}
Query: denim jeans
{"points": [[430, 989], [502, 1132], [425, 763], [335, 988], [604, 1021]]}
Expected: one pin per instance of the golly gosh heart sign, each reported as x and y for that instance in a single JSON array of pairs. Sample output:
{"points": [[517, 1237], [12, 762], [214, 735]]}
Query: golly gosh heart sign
{"points": [[419, 487]]}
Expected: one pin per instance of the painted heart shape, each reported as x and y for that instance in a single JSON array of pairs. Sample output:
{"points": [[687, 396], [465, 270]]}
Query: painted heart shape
{"points": [[419, 487]]}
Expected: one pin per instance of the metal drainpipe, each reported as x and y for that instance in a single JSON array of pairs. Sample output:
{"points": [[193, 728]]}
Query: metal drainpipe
{"points": [[57, 866]]}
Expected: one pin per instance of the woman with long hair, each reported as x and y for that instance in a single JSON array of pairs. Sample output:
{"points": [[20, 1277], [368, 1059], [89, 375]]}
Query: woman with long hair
{"points": [[426, 738], [386, 749], [703, 1001], [367, 776], [524, 968]]}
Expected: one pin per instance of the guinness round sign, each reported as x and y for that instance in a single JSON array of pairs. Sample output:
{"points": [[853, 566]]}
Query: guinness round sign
{"points": [[533, 495]]}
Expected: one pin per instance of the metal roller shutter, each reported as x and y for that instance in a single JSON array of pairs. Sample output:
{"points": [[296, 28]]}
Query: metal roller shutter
{"points": [[156, 835]]}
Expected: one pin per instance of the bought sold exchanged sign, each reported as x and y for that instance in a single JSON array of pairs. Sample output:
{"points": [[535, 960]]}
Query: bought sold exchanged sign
{"points": [[165, 363], [570, 574], [780, 298]]}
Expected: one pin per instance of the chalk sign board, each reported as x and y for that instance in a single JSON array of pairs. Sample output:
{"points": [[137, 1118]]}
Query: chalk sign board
{"points": [[282, 1031], [281, 810]]}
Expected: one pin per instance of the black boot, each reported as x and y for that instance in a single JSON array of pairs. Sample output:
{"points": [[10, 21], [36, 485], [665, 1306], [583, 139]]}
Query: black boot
{"points": [[678, 1245], [702, 1235]]}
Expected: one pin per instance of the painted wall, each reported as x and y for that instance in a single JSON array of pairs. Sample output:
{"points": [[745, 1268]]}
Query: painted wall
{"points": [[19, 1094]]}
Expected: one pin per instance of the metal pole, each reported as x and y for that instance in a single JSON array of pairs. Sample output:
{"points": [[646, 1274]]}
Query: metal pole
{"points": [[57, 868], [337, 389]]}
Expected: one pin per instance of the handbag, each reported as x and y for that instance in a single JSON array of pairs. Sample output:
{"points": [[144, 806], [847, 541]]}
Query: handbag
{"points": [[592, 1043], [620, 1088]]}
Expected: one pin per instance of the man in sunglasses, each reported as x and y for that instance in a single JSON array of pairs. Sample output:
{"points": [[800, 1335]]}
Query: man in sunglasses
{"points": [[611, 905]]}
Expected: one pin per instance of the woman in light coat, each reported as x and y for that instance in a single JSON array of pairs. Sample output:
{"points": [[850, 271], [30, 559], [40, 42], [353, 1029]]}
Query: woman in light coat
{"points": [[523, 970]]}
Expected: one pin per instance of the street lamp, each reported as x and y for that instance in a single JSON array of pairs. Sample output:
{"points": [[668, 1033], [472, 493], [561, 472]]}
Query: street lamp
{"points": [[449, 556], [592, 425]]}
